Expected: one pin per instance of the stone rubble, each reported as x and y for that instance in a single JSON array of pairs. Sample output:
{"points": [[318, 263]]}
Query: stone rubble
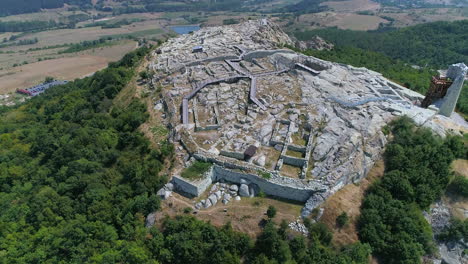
{"points": [[221, 192], [298, 226]]}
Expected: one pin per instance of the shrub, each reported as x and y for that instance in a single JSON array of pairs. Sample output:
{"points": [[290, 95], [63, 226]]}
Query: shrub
{"points": [[271, 212], [342, 219], [459, 186], [261, 194], [265, 175], [456, 231], [187, 210]]}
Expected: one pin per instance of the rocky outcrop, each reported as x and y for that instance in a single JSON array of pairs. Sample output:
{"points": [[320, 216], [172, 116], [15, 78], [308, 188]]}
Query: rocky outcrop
{"points": [[316, 43], [452, 252]]}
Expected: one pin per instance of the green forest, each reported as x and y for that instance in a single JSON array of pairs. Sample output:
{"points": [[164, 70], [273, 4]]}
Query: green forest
{"points": [[436, 44], [417, 165]]}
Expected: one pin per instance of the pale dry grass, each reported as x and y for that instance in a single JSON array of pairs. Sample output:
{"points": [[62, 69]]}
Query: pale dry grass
{"points": [[348, 200], [460, 166], [290, 171], [357, 22], [457, 204], [244, 215], [351, 5]]}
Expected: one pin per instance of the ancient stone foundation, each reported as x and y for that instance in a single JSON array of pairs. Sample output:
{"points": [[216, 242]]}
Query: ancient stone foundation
{"points": [[285, 190]]}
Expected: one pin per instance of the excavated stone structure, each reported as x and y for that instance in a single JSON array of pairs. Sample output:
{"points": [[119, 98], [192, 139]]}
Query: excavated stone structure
{"points": [[316, 125], [457, 73]]}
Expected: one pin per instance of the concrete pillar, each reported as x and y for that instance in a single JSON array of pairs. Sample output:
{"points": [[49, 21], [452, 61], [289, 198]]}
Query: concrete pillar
{"points": [[457, 73]]}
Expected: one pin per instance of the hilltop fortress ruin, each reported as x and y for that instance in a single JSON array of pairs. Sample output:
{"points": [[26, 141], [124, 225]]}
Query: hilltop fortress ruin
{"points": [[273, 120]]}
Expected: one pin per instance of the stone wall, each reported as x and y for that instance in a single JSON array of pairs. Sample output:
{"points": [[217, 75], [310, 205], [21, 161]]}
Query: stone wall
{"points": [[232, 154], [297, 148], [293, 161], [193, 188], [268, 187], [263, 53]]}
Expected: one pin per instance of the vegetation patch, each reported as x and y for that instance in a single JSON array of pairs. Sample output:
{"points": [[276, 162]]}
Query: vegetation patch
{"points": [[196, 170], [265, 175], [85, 45], [77, 176]]}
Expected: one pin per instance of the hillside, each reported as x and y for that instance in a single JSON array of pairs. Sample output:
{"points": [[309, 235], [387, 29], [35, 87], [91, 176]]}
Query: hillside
{"points": [[248, 132]]}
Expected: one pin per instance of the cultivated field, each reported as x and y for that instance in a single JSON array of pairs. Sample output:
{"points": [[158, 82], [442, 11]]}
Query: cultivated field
{"points": [[72, 66], [22, 66], [352, 5], [357, 22]]}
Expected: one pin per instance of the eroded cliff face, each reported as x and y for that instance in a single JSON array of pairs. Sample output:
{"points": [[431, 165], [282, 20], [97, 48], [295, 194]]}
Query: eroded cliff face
{"points": [[314, 124]]}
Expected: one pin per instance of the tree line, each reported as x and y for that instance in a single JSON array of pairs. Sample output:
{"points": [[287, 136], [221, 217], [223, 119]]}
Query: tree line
{"points": [[436, 44], [24, 26], [76, 176]]}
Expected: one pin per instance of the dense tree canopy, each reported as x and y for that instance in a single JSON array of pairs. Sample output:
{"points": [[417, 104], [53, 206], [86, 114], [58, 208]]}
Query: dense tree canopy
{"points": [[436, 44], [417, 172], [76, 177]]}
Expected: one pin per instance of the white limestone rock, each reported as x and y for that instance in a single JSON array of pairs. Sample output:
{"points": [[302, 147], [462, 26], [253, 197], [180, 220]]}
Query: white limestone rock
{"points": [[150, 219], [213, 199], [260, 161], [234, 188], [207, 204], [244, 190]]}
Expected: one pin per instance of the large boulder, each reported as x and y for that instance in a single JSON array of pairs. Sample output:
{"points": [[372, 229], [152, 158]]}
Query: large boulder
{"points": [[207, 203], [244, 190], [234, 188], [213, 199], [218, 194], [261, 161], [150, 219]]}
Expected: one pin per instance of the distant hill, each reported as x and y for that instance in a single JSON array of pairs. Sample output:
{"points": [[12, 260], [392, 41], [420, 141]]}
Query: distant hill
{"points": [[13, 7], [435, 44]]}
